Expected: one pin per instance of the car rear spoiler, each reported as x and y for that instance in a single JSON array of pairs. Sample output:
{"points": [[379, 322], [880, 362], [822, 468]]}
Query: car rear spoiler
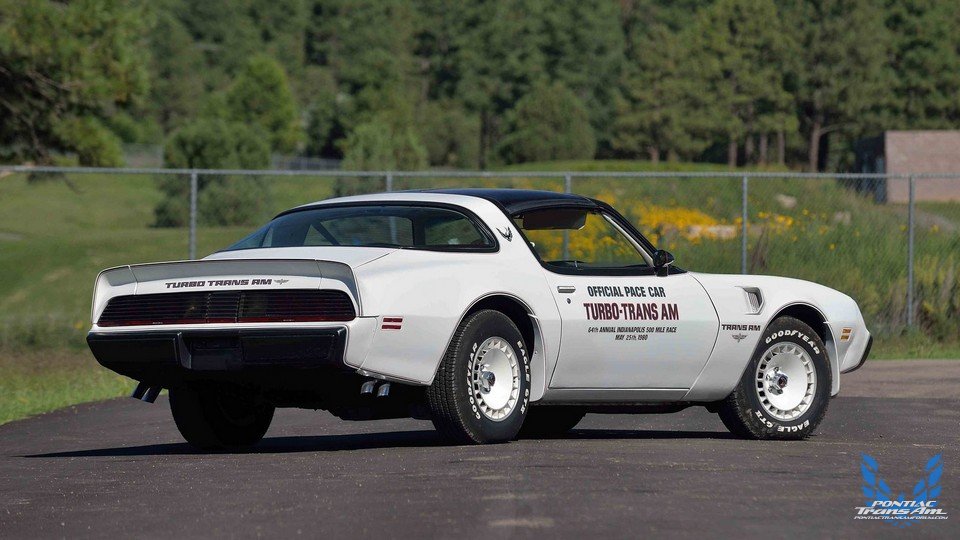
{"points": [[201, 275]]}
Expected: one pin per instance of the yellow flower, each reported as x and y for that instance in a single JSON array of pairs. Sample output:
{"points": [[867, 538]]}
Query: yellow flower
{"points": [[833, 247]]}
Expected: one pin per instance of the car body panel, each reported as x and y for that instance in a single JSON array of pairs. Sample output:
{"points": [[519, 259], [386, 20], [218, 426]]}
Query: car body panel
{"points": [[409, 303]]}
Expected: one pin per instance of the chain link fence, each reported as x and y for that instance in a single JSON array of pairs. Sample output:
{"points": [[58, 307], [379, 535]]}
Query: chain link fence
{"points": [[900, 259]]}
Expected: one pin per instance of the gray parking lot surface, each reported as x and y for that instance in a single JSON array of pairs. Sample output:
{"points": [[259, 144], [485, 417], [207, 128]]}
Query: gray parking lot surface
{"points": [[119, 468]]}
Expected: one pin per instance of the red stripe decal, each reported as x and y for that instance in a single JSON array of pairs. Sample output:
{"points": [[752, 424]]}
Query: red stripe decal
{"points": [[393, 319], [390, 327]]}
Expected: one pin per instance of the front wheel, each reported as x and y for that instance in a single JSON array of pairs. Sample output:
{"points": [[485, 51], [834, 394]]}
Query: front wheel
{"points": [[215, 418], [785, 390], [482, 388]]}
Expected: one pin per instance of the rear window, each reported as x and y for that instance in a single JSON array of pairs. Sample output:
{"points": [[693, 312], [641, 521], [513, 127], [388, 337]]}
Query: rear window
{"points": [[402, 226]]}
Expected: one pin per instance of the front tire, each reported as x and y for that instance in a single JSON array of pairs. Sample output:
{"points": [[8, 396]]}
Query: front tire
{"points": [[481, 391], [214, 418], [785, 389]]}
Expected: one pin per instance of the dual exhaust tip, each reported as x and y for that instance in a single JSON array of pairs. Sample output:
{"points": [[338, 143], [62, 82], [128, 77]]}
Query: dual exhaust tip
{"points": [[146, 393], [368, 388]]}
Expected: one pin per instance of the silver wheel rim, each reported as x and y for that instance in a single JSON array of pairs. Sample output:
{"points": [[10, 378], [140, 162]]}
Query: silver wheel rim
{"points": [[494, 378], [786, 381]]}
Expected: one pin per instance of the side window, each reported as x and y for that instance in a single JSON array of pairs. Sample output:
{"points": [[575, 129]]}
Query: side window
{"points": [[579, 239], [452, 231], [371, 230]]}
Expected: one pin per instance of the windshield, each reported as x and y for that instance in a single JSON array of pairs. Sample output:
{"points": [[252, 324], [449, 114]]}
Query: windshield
{"points": [[579, 239], [403, 226]]}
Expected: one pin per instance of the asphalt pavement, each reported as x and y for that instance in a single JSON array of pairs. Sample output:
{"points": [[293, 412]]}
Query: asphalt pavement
{"points": [[119, 468]]}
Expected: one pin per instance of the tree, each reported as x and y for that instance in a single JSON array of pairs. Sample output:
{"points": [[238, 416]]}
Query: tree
{"points": [[838, 68], [379, 145], [549, 123], [64, 67], [450, 135], [738, 50], [261, 96], [924, 61], [176, 68], [584, 50], [658, 97], [499, 56], [213, 144]]}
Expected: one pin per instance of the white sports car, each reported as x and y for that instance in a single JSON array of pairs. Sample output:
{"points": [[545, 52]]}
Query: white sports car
{"points": [[494, 313]]}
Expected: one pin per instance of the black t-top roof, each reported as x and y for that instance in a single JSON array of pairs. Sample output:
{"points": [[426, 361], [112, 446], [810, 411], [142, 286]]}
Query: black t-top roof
{"points": [[520, 200]]}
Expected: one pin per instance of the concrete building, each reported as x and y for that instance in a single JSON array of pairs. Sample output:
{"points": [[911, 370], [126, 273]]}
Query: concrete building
{"points": [[911, 152]]}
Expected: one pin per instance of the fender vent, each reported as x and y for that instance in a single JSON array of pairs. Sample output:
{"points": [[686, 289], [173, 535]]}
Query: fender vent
{"points": [[295, 305], [754, 300]]}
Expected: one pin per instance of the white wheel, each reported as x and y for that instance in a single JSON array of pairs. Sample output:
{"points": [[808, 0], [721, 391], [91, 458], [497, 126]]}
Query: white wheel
{"points": [[786, 381], [785, 389], [495, 378]]}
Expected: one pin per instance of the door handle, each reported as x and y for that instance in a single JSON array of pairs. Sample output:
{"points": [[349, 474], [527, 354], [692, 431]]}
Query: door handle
{"points": [[566, 289]]}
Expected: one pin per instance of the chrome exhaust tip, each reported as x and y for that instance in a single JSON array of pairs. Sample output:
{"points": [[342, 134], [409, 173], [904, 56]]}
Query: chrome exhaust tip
{"points": [[146, 393], [367, 387]]}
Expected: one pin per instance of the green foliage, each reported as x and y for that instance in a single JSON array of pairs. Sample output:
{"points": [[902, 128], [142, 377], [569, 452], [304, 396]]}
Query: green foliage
{"points": [[837, 66], [213, 144], [261, 97], [450, 135], [924, 65], [584, 50], [740, 49], [658, 91], [378, 145], [176, 70], [549, 123], [673, 79], [64, 67]]}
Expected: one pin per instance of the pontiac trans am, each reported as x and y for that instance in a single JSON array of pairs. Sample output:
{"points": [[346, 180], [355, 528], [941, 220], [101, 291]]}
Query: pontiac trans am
{"points": [[496, 314]]}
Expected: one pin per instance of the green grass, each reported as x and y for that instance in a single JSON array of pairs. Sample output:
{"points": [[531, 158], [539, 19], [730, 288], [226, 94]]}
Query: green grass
{"points": [[55, 236], [41, 381]]}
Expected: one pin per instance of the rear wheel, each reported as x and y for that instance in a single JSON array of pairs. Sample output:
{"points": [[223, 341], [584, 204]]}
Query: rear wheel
{"points": [[216, 418], [785, 390], [547, 421], [482, 388]]}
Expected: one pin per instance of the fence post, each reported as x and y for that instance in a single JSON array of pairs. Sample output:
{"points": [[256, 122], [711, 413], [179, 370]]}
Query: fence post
{"points": [[567, 188], [743, 226], [194, 187], [389, 182], [910, 227]]}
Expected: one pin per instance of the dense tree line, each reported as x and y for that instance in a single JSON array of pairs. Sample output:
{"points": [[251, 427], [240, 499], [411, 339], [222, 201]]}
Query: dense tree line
{"points": [[399, 84]]}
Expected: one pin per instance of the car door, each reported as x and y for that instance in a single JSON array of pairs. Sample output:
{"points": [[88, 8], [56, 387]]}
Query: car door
{"points": [[622, 326]]}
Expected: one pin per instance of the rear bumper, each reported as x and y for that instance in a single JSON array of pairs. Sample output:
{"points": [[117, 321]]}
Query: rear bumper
{"points": [[167, 358]]}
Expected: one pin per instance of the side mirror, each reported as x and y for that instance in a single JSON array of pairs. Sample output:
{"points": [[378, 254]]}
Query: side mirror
{"points": [[661, 262]]}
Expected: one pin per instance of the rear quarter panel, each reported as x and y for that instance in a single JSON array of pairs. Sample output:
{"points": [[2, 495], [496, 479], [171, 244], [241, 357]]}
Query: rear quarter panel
{"points": [[432, 291]]}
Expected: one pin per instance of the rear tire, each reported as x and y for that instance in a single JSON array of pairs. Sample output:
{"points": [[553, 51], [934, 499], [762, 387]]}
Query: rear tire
{"points": [[481, 390], [785, 389], [214, 418], [546, 421]]}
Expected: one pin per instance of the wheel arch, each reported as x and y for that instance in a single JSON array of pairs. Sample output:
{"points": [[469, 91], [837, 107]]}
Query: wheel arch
{"points": [[815, 319], [529, 325]]}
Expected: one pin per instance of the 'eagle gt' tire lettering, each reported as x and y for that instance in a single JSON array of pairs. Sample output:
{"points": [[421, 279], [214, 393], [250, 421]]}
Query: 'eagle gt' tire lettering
{"points": [[481, 391], [785, 389]]}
